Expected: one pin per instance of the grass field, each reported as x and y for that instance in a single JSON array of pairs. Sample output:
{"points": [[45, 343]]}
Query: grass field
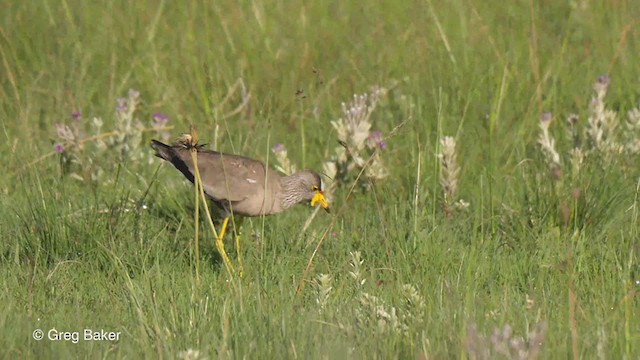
{"points": [[517, 237]]}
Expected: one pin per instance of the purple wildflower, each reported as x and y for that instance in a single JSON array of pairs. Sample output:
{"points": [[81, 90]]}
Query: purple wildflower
{"points": [[160, 119], [545, 117], [377, 140], [58, 147], [122, 104], [601, 85], [604, 80], [277, 148], [76, 115]]}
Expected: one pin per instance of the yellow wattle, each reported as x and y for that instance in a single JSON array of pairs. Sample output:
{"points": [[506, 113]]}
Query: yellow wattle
{"points": [[318, 197]]}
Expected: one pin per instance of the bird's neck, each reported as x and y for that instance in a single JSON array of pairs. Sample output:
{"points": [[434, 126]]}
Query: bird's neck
{"points": [[289, 195]]}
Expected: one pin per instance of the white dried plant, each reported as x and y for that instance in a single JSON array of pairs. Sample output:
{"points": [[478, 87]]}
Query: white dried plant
{"points": [[576, 154], [633, 130], [547, 142], [576, 158], [191, 354], [449, 176], [330, 170], [572, 130], [414, 305], [602, 122], [603, 127], [503, 342], [323, 289], [373, 310], [601, 344], [355, 262], [283, 164]]}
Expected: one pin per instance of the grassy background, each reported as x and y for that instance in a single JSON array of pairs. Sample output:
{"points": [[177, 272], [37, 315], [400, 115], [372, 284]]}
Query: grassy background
{"points": [[482, 71]]}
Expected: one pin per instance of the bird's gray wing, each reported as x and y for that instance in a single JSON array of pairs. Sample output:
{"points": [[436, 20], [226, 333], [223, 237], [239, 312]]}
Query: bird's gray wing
{"points": [[226, 176]]}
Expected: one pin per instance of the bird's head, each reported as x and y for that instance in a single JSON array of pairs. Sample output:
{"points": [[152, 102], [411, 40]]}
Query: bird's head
{"points": [[313, 186]]}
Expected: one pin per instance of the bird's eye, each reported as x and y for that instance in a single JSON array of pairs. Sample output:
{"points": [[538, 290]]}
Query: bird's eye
{"points": [[315, 188]]}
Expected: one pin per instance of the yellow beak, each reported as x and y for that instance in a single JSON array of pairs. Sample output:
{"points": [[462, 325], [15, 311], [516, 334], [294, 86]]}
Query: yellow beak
{"points": [[318, 197]]}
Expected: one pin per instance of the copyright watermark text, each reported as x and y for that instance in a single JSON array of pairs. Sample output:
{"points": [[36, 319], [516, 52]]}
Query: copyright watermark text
{"points": [[76, 336]]}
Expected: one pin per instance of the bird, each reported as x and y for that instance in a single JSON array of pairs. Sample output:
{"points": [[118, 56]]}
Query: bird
{"points": [[241, 185]]}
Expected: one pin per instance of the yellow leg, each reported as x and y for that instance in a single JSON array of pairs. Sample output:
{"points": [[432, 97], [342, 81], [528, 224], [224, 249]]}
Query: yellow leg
{"points": [[239, 256], [220, 247], [237, 225]]}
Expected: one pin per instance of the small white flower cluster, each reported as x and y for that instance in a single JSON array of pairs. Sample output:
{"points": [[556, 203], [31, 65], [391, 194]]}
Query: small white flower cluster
{"points": [[81, 152], [372, 311], [128, 128], [602, 133], [359, 146], [357, 142]]}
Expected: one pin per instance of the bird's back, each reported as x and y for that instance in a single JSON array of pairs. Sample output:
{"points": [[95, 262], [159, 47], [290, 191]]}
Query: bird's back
{"points": [[230, 180]]}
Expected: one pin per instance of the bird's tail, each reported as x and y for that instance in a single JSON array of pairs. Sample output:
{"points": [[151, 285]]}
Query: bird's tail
{"points": [[172, 155], [163, 150]]}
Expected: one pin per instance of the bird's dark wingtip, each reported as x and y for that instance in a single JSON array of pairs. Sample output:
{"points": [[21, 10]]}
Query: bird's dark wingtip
{"points": [[163, 150]]}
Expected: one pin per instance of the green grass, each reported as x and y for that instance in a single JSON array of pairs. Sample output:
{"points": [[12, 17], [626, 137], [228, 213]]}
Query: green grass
{"points": [[81, 254]]}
